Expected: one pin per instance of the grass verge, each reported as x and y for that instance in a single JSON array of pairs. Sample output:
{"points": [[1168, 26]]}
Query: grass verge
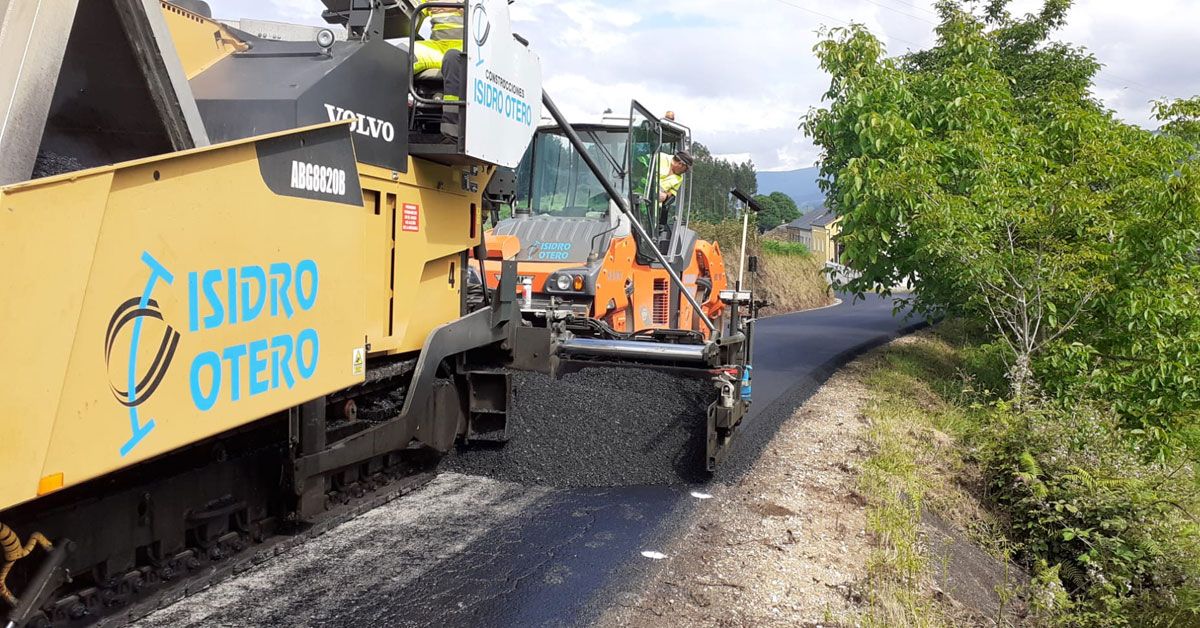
{"points": [[914, 466]]}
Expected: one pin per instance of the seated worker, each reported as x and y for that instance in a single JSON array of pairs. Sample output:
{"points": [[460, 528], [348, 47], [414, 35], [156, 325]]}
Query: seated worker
{"points": [[447, 35], [670, 173], [442, 55]]}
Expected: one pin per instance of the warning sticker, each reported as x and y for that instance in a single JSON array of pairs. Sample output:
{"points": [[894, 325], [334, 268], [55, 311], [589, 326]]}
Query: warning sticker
{"points": [[411, 218], [358, 364]]}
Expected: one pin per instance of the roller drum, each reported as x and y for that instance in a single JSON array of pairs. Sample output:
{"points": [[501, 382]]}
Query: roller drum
{"points": [[638, 351]]}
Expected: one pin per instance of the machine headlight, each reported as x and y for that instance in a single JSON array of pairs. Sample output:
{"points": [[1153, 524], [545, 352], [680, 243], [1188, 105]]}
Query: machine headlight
{"points": [[577, 283], [325, 38], [563, 282]]}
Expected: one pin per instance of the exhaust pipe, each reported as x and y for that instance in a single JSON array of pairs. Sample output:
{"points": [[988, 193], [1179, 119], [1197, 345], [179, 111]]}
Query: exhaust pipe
{"points": [[634, 351]]}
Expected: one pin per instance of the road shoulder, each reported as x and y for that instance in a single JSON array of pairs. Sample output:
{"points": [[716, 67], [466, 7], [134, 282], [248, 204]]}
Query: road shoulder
{"points": [[860, 511], [784, 545]]}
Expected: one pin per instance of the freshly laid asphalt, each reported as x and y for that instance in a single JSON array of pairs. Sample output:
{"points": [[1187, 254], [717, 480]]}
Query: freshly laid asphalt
{"points": [[475, 551]]}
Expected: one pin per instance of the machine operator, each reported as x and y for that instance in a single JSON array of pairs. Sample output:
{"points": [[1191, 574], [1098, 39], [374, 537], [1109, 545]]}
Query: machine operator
{"points": [[446, 35], [442, 54], [671, 169]]}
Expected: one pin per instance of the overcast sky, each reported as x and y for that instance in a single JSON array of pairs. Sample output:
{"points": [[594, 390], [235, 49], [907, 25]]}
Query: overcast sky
{"points": [[742, 73]]}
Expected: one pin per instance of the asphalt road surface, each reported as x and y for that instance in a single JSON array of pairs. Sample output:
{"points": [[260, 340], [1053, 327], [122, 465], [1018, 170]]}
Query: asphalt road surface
{"points": [[472, 551]]}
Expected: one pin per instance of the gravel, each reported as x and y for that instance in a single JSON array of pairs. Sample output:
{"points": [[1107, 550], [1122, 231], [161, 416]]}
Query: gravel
{"points": [[49, 164], [598, 427], [784, 545], [757, 431]]}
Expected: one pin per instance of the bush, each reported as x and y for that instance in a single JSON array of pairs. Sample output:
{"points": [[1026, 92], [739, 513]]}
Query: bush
{"points": [[728, 234], [1109, 534], [785, 249], [1118, 532]]}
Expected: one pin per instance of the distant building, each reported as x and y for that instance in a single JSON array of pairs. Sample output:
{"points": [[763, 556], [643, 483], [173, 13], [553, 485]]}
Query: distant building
{"points": [[281, 31], [816, 230]]}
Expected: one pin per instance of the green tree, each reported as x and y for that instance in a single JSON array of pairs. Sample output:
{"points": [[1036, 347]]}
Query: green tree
{"points": [[711, 179], [778, 208], [984, 172], [1181, 119]]}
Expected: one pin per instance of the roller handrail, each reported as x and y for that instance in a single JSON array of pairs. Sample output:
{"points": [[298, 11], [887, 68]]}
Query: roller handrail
{"points": [[413, 26]]}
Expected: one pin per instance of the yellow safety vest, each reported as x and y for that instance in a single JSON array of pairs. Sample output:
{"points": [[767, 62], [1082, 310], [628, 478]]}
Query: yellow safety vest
{"points": [[447, 24], [668, 181], [446, 36]]}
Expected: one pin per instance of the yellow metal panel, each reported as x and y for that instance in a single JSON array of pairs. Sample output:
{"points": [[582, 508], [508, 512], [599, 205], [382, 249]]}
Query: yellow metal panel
{"points": [[432, 229], [151, 246], [430, 301], [47, 240], [156, 299], [380, 213], [200, 42]]}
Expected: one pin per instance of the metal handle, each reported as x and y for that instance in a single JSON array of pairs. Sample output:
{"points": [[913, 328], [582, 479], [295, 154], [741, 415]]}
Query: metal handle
{"points": [[49, 576], [577, 144], [742, 251], [753, 206]]}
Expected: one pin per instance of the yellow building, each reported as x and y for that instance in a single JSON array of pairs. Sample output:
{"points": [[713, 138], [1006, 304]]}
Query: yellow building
{"points": [[817, 230]]}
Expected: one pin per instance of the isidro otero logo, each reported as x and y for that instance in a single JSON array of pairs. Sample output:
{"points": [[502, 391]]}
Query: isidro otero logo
{"points": [[217, 298], [493, 91], [557, 251], [139, 390], [481, 28], [263, 364]]}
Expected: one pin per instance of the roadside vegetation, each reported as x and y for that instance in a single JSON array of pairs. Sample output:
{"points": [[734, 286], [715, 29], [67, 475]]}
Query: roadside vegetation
{"points": [[1104, 536], [914, 466], [784, 248], [711, 178], [789, 277], [777, 209], [1066, 245]]}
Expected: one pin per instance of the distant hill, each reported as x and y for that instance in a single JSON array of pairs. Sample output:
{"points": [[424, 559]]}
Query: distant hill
{"points": [[801, 185]]}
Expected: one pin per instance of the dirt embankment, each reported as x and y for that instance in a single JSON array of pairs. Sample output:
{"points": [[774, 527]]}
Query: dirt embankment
{"points": [[789, 282]]}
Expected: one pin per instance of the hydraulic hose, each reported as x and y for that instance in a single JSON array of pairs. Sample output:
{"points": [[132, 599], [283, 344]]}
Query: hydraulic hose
{"points": [[10, 545]]}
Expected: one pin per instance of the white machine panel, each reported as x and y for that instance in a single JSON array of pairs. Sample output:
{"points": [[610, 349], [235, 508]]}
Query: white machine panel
{"points": [[504, 86]]}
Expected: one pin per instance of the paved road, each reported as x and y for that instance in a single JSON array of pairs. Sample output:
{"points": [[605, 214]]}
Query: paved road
{"points": [[794, 347], [470, 551]]}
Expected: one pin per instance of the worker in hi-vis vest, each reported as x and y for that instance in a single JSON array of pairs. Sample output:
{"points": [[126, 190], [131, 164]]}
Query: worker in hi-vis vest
{"points": [[443, 53], [446, 35], [671, 169]]}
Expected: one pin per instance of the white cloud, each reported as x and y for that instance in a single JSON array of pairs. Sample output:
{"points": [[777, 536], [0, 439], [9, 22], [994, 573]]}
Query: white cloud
{"points": [[594, 27], [737, 158], [294, 11], [742, 73]]}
